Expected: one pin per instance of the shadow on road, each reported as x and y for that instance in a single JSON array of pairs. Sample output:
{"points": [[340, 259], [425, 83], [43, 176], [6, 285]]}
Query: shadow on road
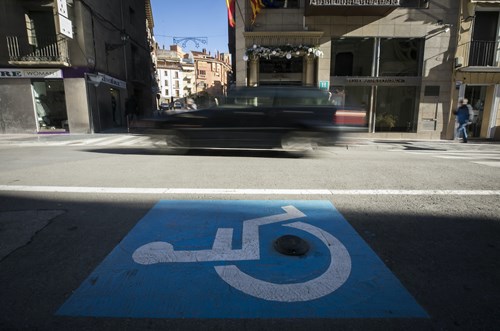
{"points": [[203, 152], [449, 264]]}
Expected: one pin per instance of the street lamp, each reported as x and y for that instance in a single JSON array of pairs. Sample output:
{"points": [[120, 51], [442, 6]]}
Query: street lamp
{"points": [[123, 37]]}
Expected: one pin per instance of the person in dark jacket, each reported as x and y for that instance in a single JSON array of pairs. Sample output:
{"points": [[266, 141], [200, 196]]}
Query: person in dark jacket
{"points": [[464, 115], [131, 110]]}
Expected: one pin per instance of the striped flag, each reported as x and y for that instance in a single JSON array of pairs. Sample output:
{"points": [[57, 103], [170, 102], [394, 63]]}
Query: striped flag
{"points": [[256, 5], [230, 12]]}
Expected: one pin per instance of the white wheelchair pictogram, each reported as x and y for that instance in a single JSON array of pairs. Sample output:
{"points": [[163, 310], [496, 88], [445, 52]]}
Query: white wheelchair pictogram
{"points": [[335, 275]]}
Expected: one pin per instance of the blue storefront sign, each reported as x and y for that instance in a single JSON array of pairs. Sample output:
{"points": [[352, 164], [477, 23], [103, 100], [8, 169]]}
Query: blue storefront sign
{"points": [[218, 259]]}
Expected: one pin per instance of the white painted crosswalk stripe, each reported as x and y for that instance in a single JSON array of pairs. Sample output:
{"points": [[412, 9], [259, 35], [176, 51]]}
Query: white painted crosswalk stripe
{"points": [[112, 140], [486, 158]]}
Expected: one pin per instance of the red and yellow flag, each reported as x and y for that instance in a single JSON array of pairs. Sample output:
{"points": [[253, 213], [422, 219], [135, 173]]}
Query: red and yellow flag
{"points": [[230, 12], [256, 5]]}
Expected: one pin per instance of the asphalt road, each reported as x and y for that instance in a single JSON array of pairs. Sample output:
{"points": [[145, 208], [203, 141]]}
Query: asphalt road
{"points": [[428, 210]]}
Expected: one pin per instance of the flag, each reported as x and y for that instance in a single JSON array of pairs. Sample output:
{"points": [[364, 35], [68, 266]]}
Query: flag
{"points": [[256, 5], [230, 12]]}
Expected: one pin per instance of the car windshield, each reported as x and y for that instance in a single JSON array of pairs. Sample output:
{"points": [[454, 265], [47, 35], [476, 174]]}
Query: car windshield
{"points": [[276, 97]]}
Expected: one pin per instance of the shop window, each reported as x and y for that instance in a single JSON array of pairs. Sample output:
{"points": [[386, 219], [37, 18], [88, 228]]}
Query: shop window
{"points": [[276, 71], [352, 57], [277, 65], [50, 104], [343, 64], [400, 57], [395, 109]]}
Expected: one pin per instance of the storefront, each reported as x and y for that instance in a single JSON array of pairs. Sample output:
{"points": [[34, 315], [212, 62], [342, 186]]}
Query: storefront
{"points": [[106, 99], [485, 101], [381, 76], [34, 100]]}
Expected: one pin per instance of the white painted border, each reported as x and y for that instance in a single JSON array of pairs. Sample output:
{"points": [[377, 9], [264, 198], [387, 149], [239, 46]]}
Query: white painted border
{"points": [[213, 191]]}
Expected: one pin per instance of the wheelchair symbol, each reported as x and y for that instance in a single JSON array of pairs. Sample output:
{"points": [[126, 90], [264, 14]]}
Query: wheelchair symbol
{"points": [[335, 275]]}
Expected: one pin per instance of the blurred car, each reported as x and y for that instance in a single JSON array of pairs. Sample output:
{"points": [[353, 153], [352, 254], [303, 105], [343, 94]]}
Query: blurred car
{"points": [[164, 106], [295, 119], [177, 105]]}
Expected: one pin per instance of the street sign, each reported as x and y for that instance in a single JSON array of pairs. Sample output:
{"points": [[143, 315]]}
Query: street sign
{"points": [[324, 84], [217, 259]]}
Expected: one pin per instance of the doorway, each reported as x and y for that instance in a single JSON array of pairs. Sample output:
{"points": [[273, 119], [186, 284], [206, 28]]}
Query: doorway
{"points": [[476, 96]]}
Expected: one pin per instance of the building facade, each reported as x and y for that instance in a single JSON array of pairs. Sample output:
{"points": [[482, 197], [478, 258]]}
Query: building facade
{"points": [[212, 75], [70, 65], [176, 74], [393, 58], [477, 66]]}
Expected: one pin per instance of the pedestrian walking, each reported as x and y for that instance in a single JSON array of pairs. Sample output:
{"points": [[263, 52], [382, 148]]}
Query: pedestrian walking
{"points": [[131, 110], [464, 115]]}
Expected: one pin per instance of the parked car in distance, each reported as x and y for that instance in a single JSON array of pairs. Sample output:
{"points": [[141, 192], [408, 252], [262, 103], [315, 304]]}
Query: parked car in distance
{"points": [[177, 105]]}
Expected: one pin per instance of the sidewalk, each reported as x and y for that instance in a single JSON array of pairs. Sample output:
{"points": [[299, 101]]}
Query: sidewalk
{"points": [[351, 141]]}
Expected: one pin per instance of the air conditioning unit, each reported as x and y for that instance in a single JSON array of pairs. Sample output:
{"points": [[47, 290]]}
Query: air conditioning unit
{"points": [[459, 62]]}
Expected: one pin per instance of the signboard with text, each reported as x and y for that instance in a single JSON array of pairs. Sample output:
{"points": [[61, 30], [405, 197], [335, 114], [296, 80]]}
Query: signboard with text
{"points": [[359, 7], [31, 73]]}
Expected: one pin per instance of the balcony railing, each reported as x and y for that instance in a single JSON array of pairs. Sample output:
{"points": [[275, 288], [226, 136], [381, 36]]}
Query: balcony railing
{"points": [[52, 50], [482, 53]]}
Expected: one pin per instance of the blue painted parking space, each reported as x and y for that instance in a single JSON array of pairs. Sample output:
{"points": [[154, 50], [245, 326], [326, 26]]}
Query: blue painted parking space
{"points": [[219, 259]]}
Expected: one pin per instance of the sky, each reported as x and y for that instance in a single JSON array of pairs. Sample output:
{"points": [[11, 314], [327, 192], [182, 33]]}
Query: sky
{"points": [[191, 18]]}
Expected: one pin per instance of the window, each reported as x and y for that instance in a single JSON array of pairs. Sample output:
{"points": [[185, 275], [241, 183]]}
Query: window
{"points": [[202, 72], [352, 57], [166, 92], [400, 57], [277, 65], [355, 56], [166, 82], [131, 13], [484, 45], [166, 72], [40, 28], [395, 106], [283, 4]]}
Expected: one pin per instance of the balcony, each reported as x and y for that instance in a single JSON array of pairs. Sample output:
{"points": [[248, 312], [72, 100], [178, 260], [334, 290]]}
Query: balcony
{"points": [[44, 51], [479, 56]]}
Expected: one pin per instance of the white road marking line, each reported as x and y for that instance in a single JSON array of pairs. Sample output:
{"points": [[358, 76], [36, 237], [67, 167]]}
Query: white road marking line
{"points": [[134, 141], [94, 140], [489, 163], [112, 141], [212, 191]]}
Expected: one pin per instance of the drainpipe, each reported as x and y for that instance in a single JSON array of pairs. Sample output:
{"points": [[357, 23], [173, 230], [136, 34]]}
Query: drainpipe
{"points": [[375, 73]]}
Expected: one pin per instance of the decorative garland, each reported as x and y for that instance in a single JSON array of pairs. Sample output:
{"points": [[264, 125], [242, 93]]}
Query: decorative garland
{"points": [[286, 51]]}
